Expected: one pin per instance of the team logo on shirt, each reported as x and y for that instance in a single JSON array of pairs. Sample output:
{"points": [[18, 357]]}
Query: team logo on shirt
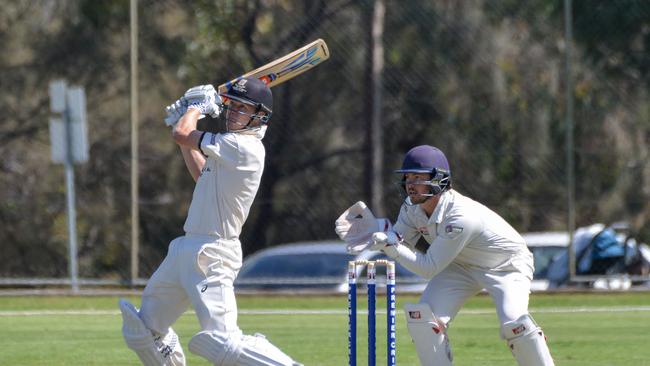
{"points": [[452, 231]]}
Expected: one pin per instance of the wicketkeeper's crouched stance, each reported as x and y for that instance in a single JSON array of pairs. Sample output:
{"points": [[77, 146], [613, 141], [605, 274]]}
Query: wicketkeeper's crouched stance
{"points": [[471, 248], [201, 266]]}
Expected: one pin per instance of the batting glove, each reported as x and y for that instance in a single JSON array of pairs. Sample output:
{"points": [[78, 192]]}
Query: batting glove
{"points": [[175, 111], [205, 99]]}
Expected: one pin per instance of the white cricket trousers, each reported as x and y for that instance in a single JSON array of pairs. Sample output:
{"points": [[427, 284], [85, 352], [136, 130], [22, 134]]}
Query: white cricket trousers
{"points": [[450, 289], [198, 270]]}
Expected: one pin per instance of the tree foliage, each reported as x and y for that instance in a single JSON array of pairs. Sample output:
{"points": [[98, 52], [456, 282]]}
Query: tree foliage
{"points": [[484, 81]]}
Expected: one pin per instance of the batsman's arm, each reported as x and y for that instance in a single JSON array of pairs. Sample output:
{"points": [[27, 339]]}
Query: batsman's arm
{"points": [[194, 161], [185, 132], [188, 138]]}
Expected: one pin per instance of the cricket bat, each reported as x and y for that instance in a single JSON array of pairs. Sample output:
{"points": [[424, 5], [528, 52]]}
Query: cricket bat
{"points": [[286, 67]]}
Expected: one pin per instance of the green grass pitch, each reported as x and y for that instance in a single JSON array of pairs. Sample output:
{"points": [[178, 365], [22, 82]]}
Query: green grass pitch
{"points": [[582, 329]]}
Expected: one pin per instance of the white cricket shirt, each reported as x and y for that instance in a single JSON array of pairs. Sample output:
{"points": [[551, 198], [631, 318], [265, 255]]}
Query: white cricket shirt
{"points": [[459, 230], [227, 186]]}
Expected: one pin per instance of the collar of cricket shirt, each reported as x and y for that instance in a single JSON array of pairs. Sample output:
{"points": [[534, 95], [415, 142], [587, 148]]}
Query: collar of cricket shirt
{"points": [[446, 199], [257, 132]]}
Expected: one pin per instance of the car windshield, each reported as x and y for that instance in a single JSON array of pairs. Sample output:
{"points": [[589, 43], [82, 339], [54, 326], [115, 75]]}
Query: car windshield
{"points": [[543, 257], [298, 265]]}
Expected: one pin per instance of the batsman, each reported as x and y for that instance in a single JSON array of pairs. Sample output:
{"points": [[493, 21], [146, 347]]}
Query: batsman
{"points": [[201, 266], [471, 248]]}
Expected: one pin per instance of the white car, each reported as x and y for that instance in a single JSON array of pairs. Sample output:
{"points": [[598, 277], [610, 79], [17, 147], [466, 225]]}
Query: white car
{"points": [[545, 246], [298, 266], [313, 266]]}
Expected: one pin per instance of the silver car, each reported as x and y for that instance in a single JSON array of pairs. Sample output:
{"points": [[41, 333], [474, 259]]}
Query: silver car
{"points": [[313, 266]]}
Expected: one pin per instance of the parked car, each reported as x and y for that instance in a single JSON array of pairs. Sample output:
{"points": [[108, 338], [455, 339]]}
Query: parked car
{"points": [[297, 266], [545, 246], [320, 265]]}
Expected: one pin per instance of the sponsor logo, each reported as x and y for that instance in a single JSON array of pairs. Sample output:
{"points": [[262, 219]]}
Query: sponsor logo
{"points": [[205, 287], [518, 330], [423, 230], [206, 168], [415, 315]]}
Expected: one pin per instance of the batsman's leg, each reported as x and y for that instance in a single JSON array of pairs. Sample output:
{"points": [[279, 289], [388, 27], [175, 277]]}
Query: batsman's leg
{"points": [[152, 349], [213, 298], [230, 350]]}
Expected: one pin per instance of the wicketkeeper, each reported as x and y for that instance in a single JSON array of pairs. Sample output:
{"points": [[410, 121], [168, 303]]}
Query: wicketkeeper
{"points": [[201, 266], [471, 249]]}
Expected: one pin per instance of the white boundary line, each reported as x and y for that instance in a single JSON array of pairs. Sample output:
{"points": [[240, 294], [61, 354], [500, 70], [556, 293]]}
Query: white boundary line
{"points": [[558, 310]]}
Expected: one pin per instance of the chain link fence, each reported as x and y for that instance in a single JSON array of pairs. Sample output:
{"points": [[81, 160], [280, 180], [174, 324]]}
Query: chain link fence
{"points": [[487, 82]]}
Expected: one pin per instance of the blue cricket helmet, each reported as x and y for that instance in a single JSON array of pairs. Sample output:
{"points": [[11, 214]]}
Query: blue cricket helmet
{"points": [[430, 160]]}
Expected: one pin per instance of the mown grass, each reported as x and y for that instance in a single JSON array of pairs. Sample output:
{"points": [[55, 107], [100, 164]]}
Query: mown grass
{"points": [[583, 329]]}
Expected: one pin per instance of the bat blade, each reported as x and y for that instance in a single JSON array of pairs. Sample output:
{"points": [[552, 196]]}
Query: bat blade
{"points": [[286, 67]]}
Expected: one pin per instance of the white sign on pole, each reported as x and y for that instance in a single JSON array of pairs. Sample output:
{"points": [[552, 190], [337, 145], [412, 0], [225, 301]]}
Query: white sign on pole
{"points": [[57, 96], [69, 140], [57, 140], [77, 115], [69, 106]]}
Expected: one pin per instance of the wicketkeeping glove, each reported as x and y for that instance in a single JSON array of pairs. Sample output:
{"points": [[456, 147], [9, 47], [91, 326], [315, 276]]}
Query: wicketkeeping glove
{"points": [[357, 224], [383, 239], [205, 99]]}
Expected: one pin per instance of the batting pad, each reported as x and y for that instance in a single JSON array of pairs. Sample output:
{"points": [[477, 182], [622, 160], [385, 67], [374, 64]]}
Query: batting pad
{"points": [[152, 350], [229, 350], [527, 342], [429, 335]]}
